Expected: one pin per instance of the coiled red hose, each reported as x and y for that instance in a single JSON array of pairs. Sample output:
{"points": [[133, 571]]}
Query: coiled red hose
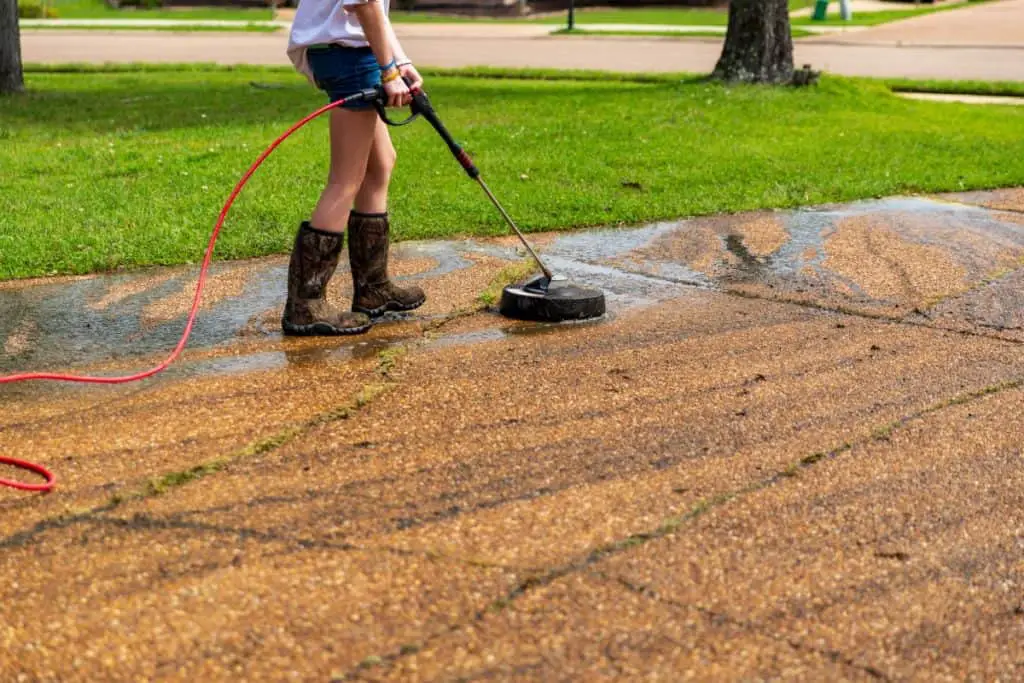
{"points": [[50, 480]]}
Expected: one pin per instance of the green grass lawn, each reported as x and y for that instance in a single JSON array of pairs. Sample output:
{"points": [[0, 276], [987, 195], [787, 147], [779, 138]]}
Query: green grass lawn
{"points": [[97, 9], [108, 169]]}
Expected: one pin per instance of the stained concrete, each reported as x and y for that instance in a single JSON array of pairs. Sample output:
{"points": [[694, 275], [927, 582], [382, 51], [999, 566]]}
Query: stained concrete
{"points": [[792, 449]]}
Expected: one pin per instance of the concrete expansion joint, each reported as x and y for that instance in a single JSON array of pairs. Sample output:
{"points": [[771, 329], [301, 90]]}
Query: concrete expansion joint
{"points": [[716, 618], [61, 521], [1003, 328], [142, 522], [881, 317]]}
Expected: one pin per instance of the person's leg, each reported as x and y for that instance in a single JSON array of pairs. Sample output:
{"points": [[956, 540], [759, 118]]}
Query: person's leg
{"points": [[353, 143], [373, 191], [368, 232], [319, 241]]}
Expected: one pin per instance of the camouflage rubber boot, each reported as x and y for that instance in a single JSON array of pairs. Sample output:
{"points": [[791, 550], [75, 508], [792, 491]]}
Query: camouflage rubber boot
{"points": [[307, 312], [375, 294]]}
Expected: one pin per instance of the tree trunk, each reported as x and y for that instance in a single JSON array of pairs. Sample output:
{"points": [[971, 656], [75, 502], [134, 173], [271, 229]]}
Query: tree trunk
{"points": [[758, 44], [11, 77]]}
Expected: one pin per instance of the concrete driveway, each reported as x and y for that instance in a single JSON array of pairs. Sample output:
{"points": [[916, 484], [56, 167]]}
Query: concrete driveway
{"points": [[793, 449]]}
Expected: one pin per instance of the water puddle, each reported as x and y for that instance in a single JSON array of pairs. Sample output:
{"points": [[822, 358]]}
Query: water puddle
{"points": [[502, 330]]}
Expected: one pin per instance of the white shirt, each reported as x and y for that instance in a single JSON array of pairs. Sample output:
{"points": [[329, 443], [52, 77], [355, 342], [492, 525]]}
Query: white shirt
{"points": [[325, 21]]}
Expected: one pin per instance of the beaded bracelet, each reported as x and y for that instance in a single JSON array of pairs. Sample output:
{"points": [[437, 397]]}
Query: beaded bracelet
{"points": [[391, 74]]}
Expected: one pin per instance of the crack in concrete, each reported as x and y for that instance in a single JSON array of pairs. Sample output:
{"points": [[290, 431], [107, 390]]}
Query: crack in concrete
{"points": [[21, 538], [716, 617], [168, 481], [878, 317], [79, 412], [836, 308], [502, 675], [141, 523]]}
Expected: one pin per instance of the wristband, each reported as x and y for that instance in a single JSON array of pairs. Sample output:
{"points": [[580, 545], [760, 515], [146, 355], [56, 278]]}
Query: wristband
{"points": [[406, 62], [391, 74], [389, 65]]}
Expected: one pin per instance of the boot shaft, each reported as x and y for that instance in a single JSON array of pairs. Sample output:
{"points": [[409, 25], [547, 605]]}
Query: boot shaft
{"points": [[307, 311], [314, 259], [368, 243], [373, 292]]}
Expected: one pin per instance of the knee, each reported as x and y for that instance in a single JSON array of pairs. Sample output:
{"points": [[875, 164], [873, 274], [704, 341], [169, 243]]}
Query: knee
{"points": [[344, 181], [342, 189], [381, 165]]}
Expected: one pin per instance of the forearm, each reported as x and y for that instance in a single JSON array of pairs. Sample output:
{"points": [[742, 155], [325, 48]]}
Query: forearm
{"points": [[396, 47], [377, 30]]}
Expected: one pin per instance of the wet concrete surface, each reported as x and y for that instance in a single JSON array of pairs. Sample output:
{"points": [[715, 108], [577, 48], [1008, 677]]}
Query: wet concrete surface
{"points": [[893, 257], [792, 449]]}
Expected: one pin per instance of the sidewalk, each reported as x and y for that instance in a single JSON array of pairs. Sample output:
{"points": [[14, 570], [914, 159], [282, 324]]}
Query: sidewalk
{"points": [[995, 24], [870, 6], [791, 450]]}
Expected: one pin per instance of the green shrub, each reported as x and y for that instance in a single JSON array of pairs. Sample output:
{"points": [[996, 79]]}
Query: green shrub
{"points": [[30, 9]]}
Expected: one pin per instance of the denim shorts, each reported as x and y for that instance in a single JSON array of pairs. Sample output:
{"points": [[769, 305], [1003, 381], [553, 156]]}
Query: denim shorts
{"points": [[342, 71]]}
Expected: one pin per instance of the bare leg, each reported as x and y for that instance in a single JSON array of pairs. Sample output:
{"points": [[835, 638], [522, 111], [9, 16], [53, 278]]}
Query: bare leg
{"points": [[369, 240], [373, 194], [352, 138], [319, 242]]}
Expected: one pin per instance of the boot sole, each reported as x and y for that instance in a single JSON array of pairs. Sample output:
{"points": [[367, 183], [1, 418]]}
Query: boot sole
{"points": [[389, 306], [322, 330]]}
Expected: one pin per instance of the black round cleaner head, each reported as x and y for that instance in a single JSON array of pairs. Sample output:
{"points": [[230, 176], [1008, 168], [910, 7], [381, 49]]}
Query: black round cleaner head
{"points": [[551, 300]]}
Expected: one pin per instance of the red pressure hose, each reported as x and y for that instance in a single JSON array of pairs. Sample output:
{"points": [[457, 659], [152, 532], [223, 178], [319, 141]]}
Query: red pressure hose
{"points": [[29, 376]]}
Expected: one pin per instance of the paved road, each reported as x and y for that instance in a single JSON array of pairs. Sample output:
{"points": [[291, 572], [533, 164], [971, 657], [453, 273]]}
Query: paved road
{"points": [[986, 42], [532, 29], [614, 54], [792, 451]]}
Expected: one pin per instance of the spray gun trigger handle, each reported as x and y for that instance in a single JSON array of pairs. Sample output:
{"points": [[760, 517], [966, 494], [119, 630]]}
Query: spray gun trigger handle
{"points": [[379, 99]]}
